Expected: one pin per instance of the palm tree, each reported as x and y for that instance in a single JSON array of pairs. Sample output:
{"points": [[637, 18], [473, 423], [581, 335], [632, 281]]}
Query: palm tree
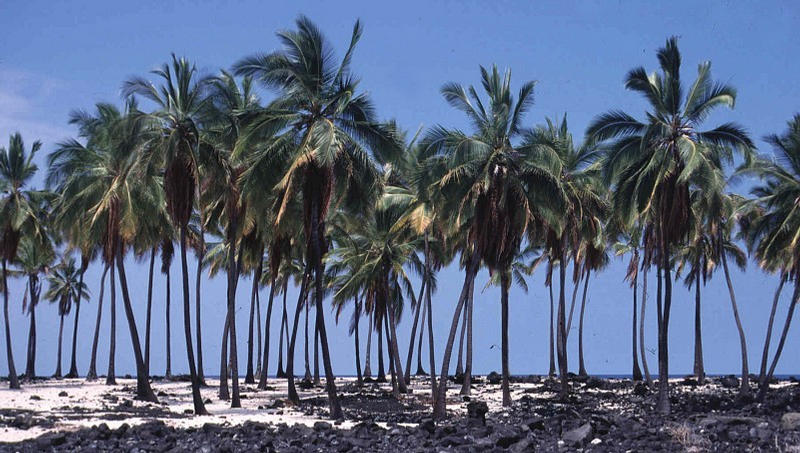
{"points": [[103, 188], [65, 288], [17, 214], [180, 101], [492, 186], [654, 164], [323, 128], [34, 256], [630, 243]]}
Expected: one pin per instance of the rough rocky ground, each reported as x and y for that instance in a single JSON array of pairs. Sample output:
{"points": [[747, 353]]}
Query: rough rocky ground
{"points": [[601, 415]]}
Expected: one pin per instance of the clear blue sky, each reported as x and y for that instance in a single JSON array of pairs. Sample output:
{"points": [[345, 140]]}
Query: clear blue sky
{"points": [[59, 56]]}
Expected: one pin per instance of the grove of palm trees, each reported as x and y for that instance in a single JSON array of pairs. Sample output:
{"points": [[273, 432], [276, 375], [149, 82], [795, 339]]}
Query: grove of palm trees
{"points": [[278, 172]]}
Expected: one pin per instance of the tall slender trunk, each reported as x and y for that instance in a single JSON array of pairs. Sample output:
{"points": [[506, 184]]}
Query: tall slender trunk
{"points": [[429, 308], [149, 310], [552, 370], [73, 366], [143, 390], [392, 373], [765, 353], [440, 400], [33, 289], [356, 316], [224, 391], [381, 370], [420, 369], [197, 399], [367, 370], [249, 376], [575, 287], [306, 349], [283, 323], [663, 404], [642, 351], [233, 280], [262, 379], [259, 337], [764, 382], [293, 396], [637, 373], [417, 309], [744, 388], [581, 365], [466, 384], [57, 374], [92, 373], [394, 350], [561, 332], [13, 379], [316, 355], [111, 378], [168, 371], [460, 363], [505, 285], [699, 368], [201, 376]]}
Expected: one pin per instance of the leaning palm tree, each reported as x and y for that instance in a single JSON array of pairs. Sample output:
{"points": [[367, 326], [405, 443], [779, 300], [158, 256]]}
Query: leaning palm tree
{"points": [[34, 257], [65, 288], [653, 165], [180, 102], [491, 185], [17, 214], [322, 127]]}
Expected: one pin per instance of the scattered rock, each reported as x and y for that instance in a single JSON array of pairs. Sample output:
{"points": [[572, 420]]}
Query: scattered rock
{"points": [[578, 436], [790, 420], [494, 378], [476, 410], [729, 382], [62, 393]]}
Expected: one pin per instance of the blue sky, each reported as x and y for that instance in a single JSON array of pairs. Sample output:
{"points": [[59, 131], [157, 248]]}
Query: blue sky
{"points": [[59, 56]]}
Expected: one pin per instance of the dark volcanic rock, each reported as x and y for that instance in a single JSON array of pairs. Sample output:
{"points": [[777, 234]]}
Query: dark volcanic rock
{"points": [[494, 378], [476, 410]]}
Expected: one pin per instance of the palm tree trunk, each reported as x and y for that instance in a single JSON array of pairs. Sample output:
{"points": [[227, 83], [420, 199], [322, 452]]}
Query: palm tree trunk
{"points": [[259, 337], [316, 355], [57, 374], [284, 328], [561, 332], [460, 363], [429, 307], [262, 379], [395, 351], [642, 351], [233, 280], [440, 400], [249, 376], [505, 285], [744, 388], [92, 373], [572, 305], [293, 396], [367, 370], [764, 382], [143, 390], [356, 316], [201, 376], [552, 371], [111, 378], [168, 371], [420, 369], [381, 370], [466, 384], [581, 366], [699, 368], [663, 405], [224, 391], [392, 374], [13, 379], [306, 349], [637, 373], [30, 367], [414, 330], [149, 310], [765, 353], [73, 367], [197, 399]]}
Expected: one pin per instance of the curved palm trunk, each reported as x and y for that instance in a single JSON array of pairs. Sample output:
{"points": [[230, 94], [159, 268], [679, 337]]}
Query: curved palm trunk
{"points": [[420, 369], [197, 400], [293, 396], [572, 304], [201, 377], [57, 374], [34, 289], [505, 284], [466, 384], [552, 371], [642, 351], [224, 391], [13, 379], [111, 378], [414, 330], [357, 315], [73, 367], [149, 310], [699, 368], [92, 373], [440, 400], [764, 382], [143, 390], [637, 373], [581, 366], [284, 328], [367, 370], [262, 379], [744, 388], [168, 371], [395, 351], [561, 329], [460, 363], [765, 353]]}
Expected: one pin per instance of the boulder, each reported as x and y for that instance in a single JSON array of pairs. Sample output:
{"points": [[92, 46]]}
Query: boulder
{"points": [[790, 420], [578, 436], [494, 378], [476, 410]]}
